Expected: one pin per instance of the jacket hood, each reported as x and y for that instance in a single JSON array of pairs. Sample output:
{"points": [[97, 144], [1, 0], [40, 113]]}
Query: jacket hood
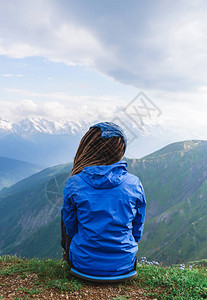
{"points": [[105, 176]]}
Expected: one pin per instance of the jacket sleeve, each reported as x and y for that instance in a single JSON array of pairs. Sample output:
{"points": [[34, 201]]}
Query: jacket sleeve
{"points": [[69, 212], [138, 222]]}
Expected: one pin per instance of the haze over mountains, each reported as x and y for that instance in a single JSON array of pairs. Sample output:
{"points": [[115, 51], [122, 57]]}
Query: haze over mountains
{"points": [[40, 141], [12, 170], [175, 183]]}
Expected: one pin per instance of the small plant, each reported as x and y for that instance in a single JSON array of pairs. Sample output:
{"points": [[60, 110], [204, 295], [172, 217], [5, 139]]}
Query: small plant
{"points": [[183, 267], [121, 298], [146, 262], [28, 291]]}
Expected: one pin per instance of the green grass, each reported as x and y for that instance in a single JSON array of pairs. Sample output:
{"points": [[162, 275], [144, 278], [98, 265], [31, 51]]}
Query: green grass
{"points": [[121, 298], [53, 273], [176, 283], [28, 291], [160, 282]]}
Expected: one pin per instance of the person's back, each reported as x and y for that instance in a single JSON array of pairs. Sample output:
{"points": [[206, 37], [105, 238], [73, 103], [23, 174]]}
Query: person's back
{"points": [[104, 212]]}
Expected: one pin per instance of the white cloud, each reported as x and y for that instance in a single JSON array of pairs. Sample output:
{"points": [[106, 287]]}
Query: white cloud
{"points": [[7, 75], [157, 46], [179, 119], [152, 44], [58, 106], [26, 106], [12, 75], [36, 28]]}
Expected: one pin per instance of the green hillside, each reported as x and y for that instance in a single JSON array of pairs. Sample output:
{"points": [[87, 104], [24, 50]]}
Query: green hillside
{"points": [[12, 170], [175, 183], [29, 206]]}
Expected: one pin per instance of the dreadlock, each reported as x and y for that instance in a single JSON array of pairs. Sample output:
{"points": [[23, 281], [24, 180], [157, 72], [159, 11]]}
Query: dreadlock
{"points": [[94, 150]]}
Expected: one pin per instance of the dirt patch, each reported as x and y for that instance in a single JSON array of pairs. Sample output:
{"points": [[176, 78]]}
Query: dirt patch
{"points": [[18, 287]]}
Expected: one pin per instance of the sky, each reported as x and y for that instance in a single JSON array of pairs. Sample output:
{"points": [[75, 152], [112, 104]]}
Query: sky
{"points": [[88, 59]]}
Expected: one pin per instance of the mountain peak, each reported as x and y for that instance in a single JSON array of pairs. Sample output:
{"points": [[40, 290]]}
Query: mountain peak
{"points": [[181, 147], [190, 144], [41, 125], [5, 126]]}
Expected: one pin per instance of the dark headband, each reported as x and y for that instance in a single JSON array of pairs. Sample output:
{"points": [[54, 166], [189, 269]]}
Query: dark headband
{"points": [[110, 129]]}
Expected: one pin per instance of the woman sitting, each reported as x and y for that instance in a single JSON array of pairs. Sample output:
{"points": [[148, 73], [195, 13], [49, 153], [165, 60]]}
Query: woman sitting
{"points": [[104, 206]]}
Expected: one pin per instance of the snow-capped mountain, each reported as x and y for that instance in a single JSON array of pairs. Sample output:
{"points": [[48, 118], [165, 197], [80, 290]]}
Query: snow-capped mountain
{"points": [[6, 126], [45, 142], [39, 125], [30, 126], [40, 141]]}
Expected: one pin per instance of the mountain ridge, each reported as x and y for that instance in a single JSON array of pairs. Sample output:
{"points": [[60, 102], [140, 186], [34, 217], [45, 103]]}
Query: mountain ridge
{"points": [[40, 141], [36, 138], [36, 125], [176, 191], [12, 171]]}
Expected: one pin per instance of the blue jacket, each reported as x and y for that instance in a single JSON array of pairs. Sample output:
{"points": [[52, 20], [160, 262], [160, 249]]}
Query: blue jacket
{"points": [[104, 212]]}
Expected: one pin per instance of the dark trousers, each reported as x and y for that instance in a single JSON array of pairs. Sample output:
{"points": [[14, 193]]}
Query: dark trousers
{"points": [[65, 240]]}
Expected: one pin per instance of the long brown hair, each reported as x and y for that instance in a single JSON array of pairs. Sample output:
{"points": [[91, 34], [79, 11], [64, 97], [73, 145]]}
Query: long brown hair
{"points": [[94, 150]]}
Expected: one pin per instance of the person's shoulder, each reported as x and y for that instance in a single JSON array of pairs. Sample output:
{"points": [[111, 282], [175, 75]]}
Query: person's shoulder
{"points": [[72, 183], [134, 183], [73, 178], [132, 179]]}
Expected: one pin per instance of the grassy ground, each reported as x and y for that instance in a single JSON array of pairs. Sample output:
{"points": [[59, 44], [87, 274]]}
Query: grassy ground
{"points": [[21, 278]]}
